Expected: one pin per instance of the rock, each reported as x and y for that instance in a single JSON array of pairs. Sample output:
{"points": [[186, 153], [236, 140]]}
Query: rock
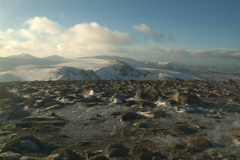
{"points": [[65, 153], [236, 129], [176, 147], [185, 98], [131, 116], [117, 101], [4, 94], [181, 130], [145, 104], [119, 98], [47, 102], [234, 138], [6, 104], [141, 125], [30, 103], [10, 156], [159, 114], [88, 93], [141, 153], [34, 121], [28, 145], [116, 150], [28, 158], [198, 142], [212, 95], [15, 112], [98, 157], [25, 143], [148, 93]]}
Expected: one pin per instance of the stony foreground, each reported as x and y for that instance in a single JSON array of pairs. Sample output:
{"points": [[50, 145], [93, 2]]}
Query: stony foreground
{"points": [[119, 120]]}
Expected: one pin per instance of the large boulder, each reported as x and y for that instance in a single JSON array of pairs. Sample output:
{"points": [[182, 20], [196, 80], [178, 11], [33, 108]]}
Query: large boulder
{"points": [[186, 98], [149, 93]]}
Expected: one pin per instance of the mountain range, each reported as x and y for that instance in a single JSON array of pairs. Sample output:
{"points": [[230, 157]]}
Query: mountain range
{"points": [[25, 67]]}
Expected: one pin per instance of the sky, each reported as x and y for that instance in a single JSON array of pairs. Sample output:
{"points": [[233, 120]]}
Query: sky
{"points": [[141, 29]]}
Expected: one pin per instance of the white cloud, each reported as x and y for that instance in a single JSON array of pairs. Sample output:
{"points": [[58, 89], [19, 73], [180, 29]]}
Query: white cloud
{"points": [[143, 28], [152, 35], [42, 37], [43, 25]]}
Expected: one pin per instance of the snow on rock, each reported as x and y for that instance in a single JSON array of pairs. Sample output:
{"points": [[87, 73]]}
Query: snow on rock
{"points": [[71, 73], [123, 71]]}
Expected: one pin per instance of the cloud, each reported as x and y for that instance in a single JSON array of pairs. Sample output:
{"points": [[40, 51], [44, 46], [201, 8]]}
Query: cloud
{"points": [[152, 35], [143, 28], [41, 37], [179, 52], [216, 53], [43, 25]]}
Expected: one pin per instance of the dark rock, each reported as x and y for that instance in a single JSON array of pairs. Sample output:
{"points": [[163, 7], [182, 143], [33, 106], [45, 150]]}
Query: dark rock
{"points": [[29, 103], [147, 104], [98, 157], [141, 153], [131, 116], [176, 147], [4, 94], [33, 121], [212, 95], [66, 153], [46, 102], [25, 143], [141, 125], [183, 130], [185, 98], [15, 112], [148, 93], [159, 114], [6, 103], [198, 142], [130, 103], [116, 150]]}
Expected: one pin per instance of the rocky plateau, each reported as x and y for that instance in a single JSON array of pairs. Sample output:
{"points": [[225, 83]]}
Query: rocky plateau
{"points": [[120, 120]]}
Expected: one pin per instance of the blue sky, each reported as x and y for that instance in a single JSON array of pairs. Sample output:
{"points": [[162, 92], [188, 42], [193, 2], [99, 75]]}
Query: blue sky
{"points": [[128, 27]]}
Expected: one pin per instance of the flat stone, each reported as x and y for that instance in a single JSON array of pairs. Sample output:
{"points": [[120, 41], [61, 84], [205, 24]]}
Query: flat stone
{"points": [[198, 142]]}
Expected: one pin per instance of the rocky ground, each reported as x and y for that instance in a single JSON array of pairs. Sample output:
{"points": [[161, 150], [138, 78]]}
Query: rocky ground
{"points": [[120, 120]]}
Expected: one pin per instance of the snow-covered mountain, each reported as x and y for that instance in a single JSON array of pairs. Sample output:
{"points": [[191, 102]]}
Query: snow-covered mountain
{"points": [[25, 56], [32, 73], [56, 58], [25, 67]]}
